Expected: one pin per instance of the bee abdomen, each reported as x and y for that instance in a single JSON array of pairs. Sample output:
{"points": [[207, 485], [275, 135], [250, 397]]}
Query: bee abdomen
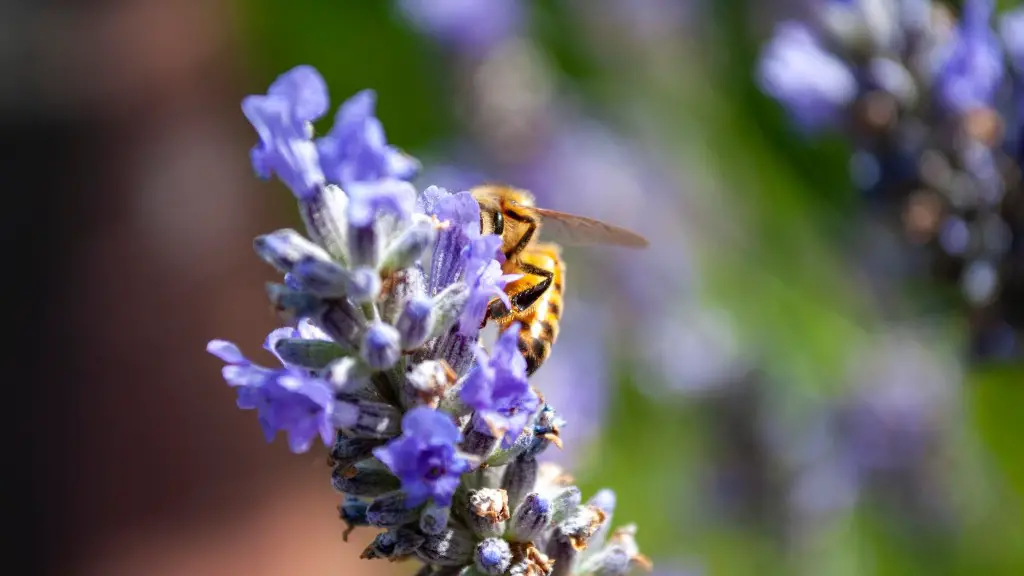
{"points": [[534, 350]]}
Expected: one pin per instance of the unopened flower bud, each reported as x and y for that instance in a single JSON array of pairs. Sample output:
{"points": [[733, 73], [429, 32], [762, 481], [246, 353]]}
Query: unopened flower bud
{"points": [[450, 548], [390, 511], [285, 248], [519, 479], [363, 481], [415, 322], [434, 519], [408, 247], [309, 354], [531, 518], [364, 245], [393, 544], [381, 347], [326, 220], [492, 556]]}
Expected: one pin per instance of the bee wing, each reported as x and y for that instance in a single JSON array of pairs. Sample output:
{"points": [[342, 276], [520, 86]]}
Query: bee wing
{"points": [[571, 229]]}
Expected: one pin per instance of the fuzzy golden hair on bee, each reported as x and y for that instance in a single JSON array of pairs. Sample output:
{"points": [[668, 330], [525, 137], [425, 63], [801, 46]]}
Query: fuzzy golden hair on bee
{"points": [[536, 297]]}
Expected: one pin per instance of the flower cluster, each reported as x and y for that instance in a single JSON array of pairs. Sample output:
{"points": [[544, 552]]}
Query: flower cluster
{"points": [[933, 107], [431, 437]]}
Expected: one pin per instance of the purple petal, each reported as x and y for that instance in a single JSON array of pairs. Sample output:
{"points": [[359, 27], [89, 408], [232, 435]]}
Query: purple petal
{"points": [[305, 89], [226, 351]]}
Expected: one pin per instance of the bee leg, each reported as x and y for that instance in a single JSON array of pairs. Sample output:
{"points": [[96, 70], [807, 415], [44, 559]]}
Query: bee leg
{"points": [[525, 298], [531, 229]]}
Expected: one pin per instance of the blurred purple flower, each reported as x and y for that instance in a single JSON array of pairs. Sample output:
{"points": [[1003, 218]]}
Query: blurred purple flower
{"points": [[498, 390], [282, 119], [287, 399], [813, 85], [424, 457], [356, 149], [465, 24], [1011, 28], [970, 64]]}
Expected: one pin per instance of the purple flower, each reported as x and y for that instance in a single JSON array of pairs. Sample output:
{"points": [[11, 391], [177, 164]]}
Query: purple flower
{"points": [[282, 120], [285, 399], [368, 200], [813, 85], [424, 457], [462, 215], [485, 281], [970, 65], [468, 24], [356, 149], [498, 390]]}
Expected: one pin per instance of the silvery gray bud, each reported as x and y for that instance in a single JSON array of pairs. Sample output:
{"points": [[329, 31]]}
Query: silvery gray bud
{"points": [[348, 451], [296, 303], [350, 379], [393, 544], [285, 248], [408, 247], [342, 321], [363, 285], [364, 245], [612, 561], [580, 526], [390, 511], [492, 556], [520, 478], [374, 420], [604, 500], [477, 442], [532, 517], [563, 554], [381, 347], [618, 557], [415, 322], [365, 481], [326, 220], [352, 512], [565, 502], [488, 511], [324, 278], [450, 548], [448, 305], [434, 519], [309, 354]]}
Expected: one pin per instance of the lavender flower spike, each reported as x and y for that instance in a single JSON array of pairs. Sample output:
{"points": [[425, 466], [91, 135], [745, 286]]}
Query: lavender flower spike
{"points": [[431, 438]]}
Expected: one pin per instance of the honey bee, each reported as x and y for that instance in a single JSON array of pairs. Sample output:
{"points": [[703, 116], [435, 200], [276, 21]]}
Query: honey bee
{"points": [[536, 297]]}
